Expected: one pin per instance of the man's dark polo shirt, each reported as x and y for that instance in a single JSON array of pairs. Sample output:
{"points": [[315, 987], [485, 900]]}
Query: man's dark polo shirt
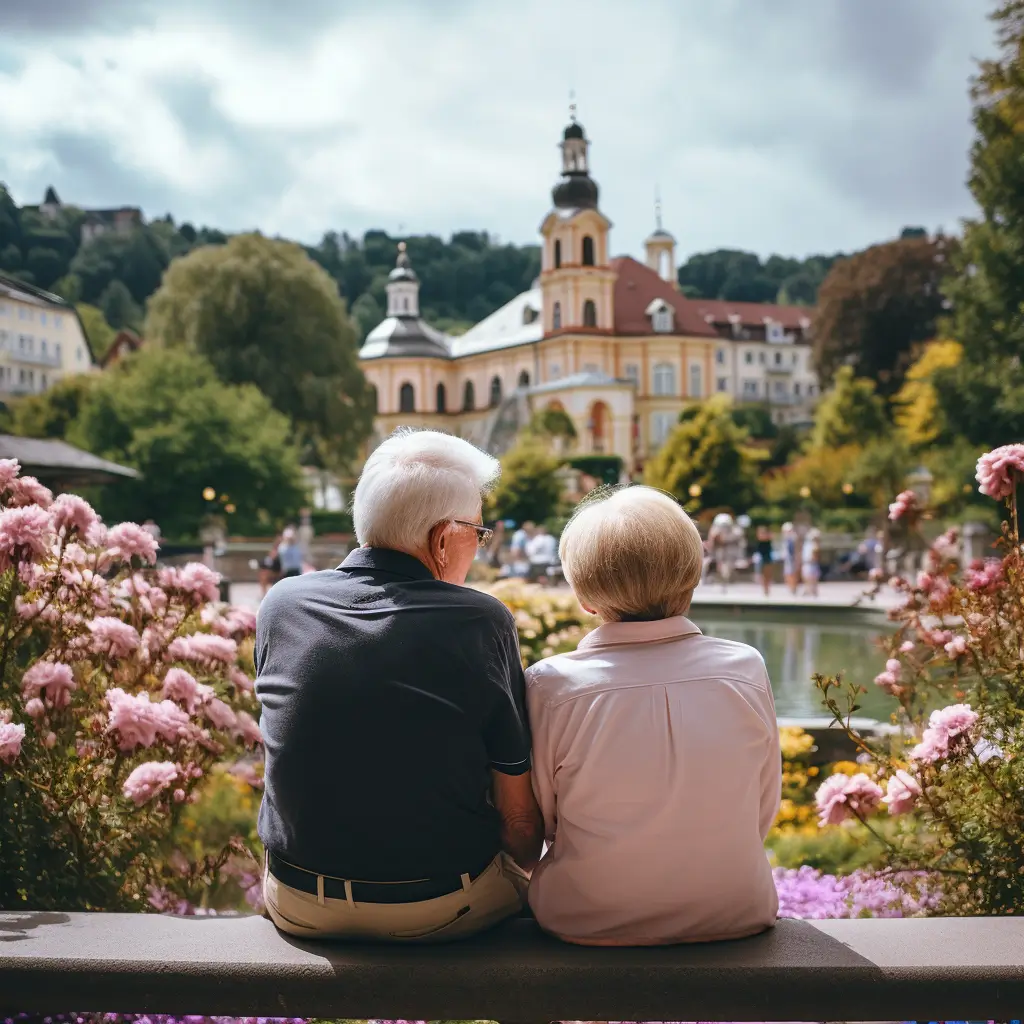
{"points": [[388, 697]]}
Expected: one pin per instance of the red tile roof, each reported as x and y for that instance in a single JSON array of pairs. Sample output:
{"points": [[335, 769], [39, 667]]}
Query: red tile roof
{"points": [[750, 313], [636, 286]]}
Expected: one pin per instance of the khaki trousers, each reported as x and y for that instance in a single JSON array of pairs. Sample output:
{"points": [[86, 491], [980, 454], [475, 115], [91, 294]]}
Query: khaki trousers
{"points": [[492, 896]]}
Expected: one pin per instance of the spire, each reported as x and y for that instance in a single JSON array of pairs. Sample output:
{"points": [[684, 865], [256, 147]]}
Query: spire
{"points": [[657, 208], [403, 287], [577, 190]]}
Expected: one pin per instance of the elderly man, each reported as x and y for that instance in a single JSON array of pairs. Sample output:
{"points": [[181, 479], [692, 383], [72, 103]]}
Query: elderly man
{"points": [[398, 801]]}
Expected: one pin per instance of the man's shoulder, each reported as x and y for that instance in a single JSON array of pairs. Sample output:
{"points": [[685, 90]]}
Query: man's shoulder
{"points": [[287, 594], [490, 609]]}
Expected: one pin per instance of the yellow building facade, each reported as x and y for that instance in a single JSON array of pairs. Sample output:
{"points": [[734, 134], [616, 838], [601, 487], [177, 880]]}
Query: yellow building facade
{"points": [[609, 340]]}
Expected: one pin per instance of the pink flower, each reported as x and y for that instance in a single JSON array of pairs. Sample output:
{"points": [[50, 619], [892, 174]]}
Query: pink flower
{"points": [[194, 579], [905, 503], [203, 649], [220, 714], [113, 637], [957, 647], [906, 647], [11, 736], [72, 514], [50, 740], [248, 729], [27, 490], [149, 780], [246, 771], [985, 576], [893, 666], [132, 718], [876, 575], [182, 687], [9, 469], [945, 734], [842, 796], [53, 677], [925, 581], [888, 682], [35, 708], [936, 637], [25, 533], [902, 792], [239, 679], [998, 470], [171, 722], [129, 540]]}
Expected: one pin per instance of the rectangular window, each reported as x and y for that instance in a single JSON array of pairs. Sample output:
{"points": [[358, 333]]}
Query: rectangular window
{"points": [[42, 317], [22, 312], [720, 357], [723, 383], [554, 371], [750, 388], [780, 388], [56, 349], [632, 372], [696, 382], [796, 389], [58, 320], [748, 357], [42, 347], [662, 321], [778, 358], [760, 358], [661, 426], [796, 358], [591, 368]]}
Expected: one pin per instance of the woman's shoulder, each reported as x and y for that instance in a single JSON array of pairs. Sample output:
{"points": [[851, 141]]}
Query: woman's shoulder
{"points": [[730, 658]]}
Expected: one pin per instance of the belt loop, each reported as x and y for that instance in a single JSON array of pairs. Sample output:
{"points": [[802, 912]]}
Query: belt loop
{"points": [[465, 881], [320, 889], [348, 893]]}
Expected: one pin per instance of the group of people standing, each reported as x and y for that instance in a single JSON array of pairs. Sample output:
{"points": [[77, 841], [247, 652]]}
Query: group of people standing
{"points": [[726, 548]]}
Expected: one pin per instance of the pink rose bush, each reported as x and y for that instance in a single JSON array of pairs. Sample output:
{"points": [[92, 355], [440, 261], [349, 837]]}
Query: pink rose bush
{"points": [[953, 773], [122, 688]]}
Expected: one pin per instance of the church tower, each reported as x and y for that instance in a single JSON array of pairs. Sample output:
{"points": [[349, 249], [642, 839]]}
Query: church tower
{"points": [[576, 279], [403, 287], [660, 249]]}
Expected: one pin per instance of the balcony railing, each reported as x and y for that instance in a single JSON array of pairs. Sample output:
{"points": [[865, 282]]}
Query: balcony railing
{"points": [[34, 358], [870, 970]]}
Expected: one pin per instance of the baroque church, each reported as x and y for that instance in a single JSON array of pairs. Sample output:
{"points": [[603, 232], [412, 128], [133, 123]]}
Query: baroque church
{"points": [[608, 340]]}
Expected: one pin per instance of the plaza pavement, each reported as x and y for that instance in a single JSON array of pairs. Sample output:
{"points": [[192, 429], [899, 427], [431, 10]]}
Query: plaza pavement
{"points": [[830, 595]]}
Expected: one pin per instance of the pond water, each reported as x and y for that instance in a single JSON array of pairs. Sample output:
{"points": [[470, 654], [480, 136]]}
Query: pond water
{"points": [[795, 646]]}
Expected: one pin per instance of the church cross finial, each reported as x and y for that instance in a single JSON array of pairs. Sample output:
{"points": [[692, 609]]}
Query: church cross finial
{"points": [[572, 104], [657, 207]]}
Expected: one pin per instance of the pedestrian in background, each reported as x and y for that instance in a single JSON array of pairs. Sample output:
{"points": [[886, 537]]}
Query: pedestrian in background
{"points": [[765, 557]]}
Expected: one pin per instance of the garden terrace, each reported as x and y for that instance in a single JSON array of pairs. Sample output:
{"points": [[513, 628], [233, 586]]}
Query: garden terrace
{"points": [[914, 969]]}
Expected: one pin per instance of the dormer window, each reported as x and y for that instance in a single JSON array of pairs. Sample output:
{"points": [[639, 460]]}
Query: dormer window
{"points": [[662, 316], [529, 315], [774, 331]]}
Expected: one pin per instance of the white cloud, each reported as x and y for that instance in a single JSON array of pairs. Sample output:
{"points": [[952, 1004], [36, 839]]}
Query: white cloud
{"points": [[786, 126]]}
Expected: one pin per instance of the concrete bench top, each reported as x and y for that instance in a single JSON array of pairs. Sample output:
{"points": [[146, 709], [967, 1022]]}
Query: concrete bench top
{"points": [[915, 969]]}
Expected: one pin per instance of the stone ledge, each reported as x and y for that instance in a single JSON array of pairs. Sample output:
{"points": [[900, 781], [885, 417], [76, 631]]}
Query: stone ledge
{"points": [[914, 969]]}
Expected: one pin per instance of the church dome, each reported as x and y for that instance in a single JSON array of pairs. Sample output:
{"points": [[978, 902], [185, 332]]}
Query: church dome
{"points": [[573, 130], [575, 192]]}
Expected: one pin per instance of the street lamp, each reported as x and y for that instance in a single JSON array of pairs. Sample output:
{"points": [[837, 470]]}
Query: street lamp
{"points": [[695, 490], [805, 491], [209, 493], [847, 488]]}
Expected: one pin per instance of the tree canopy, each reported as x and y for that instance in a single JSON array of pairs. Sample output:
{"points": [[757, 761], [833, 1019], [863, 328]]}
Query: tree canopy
{"points": [[529, 487], [982, 399], [707, 450], [876, 306], [851, 413], [263, 313], [742, 277], [166, 414]]}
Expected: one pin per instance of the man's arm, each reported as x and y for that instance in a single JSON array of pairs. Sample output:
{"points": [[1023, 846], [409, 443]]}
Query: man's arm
{"points": [[522, 830]]}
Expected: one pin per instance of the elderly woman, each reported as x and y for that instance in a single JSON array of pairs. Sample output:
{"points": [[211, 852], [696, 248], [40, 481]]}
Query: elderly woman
{"points": [[398, 802], [656, 750]]}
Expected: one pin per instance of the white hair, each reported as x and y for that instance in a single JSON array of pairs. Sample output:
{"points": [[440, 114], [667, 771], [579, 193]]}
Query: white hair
{"points": [[414, 480]]}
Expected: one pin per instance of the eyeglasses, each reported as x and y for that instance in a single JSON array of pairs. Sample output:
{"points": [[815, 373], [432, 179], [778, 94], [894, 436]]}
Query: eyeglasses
{"points": [[484, 534]]}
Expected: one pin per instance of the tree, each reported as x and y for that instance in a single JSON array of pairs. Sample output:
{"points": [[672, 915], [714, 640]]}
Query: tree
{"points": [[709, 450], [819, 475], [983, 398], [264, 313], [118, 306], [916, 409], [51, 413], [529, 487], [876, 306], [166, 414], [851, 413], [98, 332]]}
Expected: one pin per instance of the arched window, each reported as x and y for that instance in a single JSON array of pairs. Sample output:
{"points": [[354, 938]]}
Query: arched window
{"points": [[524, 379], [589, 314], [406, 398], [556, 316], [495, 391], [442, 398], [588, 251], [373, 398], [696, 381], [468, 397], [664, 379], [558, 253]]}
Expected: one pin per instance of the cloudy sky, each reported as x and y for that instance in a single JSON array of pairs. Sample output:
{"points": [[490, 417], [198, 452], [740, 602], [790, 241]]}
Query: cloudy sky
{"points": [[790, 126]]}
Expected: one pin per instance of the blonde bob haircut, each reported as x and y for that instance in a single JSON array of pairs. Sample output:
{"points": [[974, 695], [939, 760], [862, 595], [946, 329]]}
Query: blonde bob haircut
{"points": [[632, 554]]}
